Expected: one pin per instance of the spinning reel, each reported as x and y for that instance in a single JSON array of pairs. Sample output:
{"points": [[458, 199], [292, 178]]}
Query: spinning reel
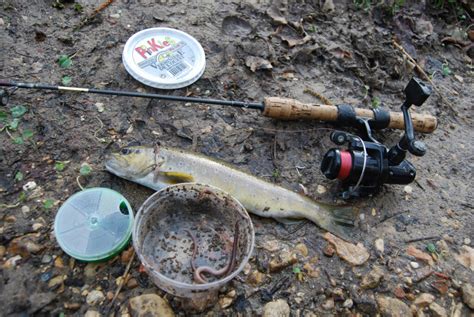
{"points": [[367, 164]]}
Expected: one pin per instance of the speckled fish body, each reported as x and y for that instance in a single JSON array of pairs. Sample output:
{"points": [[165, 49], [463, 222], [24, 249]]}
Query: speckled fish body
{"points": [[160, 167]]}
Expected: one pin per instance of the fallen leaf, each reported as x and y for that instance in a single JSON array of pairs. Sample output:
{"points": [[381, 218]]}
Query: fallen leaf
{"points": [[292, 42], [276, 16], [420, 255], [355, 254], [466, 257], [257, 63]]}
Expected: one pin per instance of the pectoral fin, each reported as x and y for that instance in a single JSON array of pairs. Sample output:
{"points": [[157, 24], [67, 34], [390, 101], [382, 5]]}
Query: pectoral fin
{"points": [[175, 177]]}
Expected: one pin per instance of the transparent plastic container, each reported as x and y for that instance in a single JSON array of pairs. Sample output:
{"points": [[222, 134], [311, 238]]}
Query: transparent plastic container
{"points": [[162, 240], [94, 224]]}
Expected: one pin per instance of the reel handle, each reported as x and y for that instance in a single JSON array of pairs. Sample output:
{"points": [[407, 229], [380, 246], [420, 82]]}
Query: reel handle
{"points": [[292, 109]]}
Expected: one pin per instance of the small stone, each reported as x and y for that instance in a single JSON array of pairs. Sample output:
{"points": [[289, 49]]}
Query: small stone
{"points": [[328, 6], [392, 307], [255, 278], [321, 189], [100, 106], [272, 245], [311, 270], [10, 219], [46, 276], [328, 304], [380, 245], [399, 292], [424, 299], [11, 262], [373, 278], [126, 255], [329, 250], [115, 16], [348, 303], [58, 262], [468, 295], [132, 283], [437, 310], [37, 226], [459, 78], [109, 295], [3, 250], [150, 305], [301, 247], [92, 313], [55, 281], [408, 189], [25, 209], [420, 255], [446, 237], [95, 297], [466, 257], [422, 273], [467, 241], [285, 259], [2, 23], [414, 265], [278, 308], [73, 306], [225, 302], [247, 269], [46, 259]]}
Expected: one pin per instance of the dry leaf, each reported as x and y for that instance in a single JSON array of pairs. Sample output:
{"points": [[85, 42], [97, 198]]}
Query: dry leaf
{"points": [[355, 254], [257, 63]]}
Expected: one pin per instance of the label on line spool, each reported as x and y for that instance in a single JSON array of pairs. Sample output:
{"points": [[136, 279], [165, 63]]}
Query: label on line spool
{"points": [[164, 58]]}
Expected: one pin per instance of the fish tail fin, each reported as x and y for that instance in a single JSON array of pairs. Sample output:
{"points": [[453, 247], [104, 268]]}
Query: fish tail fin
{"points": [[341, 221]]}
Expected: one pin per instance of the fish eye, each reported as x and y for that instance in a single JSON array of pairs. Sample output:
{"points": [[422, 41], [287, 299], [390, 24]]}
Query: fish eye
{"points": [[125, 151]]}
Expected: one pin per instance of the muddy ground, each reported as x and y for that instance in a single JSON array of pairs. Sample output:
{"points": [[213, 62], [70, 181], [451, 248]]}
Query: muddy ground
{"points": [[348, 58]]}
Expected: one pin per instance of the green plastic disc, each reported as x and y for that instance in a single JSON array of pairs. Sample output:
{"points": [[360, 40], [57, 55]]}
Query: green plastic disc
{"points": [[94, 224]]}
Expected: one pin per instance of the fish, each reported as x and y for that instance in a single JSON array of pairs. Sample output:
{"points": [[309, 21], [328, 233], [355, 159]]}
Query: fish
{"points": [[161, 166]]}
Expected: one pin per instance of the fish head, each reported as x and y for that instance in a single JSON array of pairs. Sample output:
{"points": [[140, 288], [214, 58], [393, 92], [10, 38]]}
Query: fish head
{"points": [[132, 162]]}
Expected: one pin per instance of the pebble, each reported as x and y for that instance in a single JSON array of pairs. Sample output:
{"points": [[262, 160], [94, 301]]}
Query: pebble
{"points": [[2, 23], [95, 297], [150, 305], [58, 262], [329, 250], [437, 310], [46, 276], [255, 278], [328, 304], [408, 189], [37, 226], [467, 241], [373, 278], [11, 262], [225, 302], [100, 106], [25, 209], [29, 186], [10, 219], [348, 303], [73, 306], [109, 295], [92, 313], [132, 283], [285, 259], [126, 255], [311, 270], [399, 292], [420, 255], [424, 299], [46, 259], [414, 265], [321, 189], [278, 308], [380, 245], [3, 250], [301, 247], [55, 281], [468, 295], [392, 307]]}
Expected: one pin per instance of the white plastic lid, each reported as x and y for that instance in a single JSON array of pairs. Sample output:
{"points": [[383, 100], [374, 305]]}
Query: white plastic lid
{"points": [[94, 224], [164, 58]]}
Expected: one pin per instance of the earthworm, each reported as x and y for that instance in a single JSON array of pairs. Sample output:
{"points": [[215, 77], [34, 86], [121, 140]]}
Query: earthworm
{"points": [[207, 269]]}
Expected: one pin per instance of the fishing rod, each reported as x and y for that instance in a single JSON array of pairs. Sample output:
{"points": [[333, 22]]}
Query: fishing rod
{"points": [[273, 107]]}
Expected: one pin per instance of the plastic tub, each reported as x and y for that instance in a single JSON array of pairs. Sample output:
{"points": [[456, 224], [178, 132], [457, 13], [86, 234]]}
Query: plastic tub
{"points": [[162, 240]]}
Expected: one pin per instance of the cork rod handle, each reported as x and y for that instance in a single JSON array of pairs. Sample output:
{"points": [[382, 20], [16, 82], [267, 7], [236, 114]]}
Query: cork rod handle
{"points": [[291, 109]]}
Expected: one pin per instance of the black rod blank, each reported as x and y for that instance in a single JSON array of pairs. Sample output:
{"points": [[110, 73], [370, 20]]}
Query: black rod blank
{"points": [[241, 104]]}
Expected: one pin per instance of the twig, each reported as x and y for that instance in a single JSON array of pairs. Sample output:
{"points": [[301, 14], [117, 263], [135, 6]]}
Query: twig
{"points": [[295, 131], [391, 216], [9, 206], [124, 278], [411, 59], [100, 8], [318, 95], [78, 183], [421, 239], [104, 5]]}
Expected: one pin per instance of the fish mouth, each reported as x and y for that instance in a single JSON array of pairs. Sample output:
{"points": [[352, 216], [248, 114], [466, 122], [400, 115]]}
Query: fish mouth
{"points": [[113, 165]]}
